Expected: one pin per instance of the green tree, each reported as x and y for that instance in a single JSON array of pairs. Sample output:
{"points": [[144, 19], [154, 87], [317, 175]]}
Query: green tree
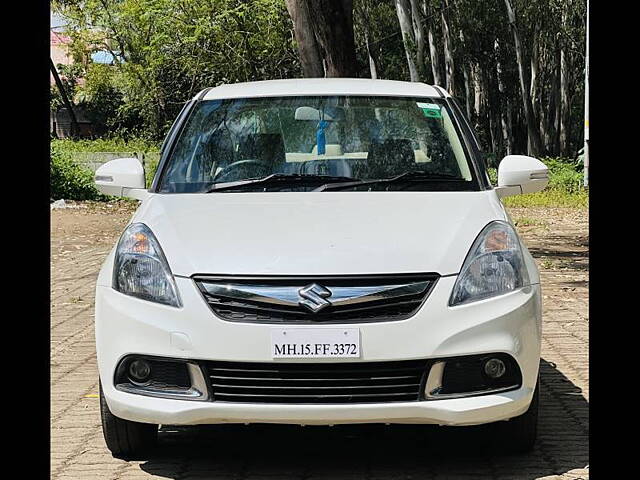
{"points": [[166, 51]]}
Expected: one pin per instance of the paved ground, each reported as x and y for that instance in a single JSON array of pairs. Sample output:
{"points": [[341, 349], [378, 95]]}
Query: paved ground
{"points": [[80, 239]]}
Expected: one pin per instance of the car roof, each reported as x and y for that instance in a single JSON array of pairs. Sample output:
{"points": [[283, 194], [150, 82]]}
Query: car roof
{"points": [[321, 87]]}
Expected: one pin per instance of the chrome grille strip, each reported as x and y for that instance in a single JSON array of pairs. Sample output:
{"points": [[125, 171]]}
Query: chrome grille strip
{"points": [[288, 295], [286, 379], [293, 387], [290, 300]]}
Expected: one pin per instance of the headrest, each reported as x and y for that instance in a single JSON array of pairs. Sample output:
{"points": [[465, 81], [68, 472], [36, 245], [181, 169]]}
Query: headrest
{"points": [[329, 149]]}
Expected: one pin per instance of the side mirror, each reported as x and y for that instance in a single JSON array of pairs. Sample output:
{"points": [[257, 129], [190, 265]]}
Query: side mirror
{"points": [[122, 177], [521, 174]]}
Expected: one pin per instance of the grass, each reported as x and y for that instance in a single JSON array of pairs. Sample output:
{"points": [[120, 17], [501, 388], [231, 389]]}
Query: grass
{"points": [[551, 197], [529, 222], [546, 264], [106, 145], [551, 264], [150, 171]]}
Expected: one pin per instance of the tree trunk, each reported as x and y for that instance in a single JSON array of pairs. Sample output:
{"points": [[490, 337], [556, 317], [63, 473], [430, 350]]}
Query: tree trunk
{"points": [[494, 141], [477, 88], [404, 18], [565, 102], [532, 127], [467, 91], [448, 52], [372, 61], [505, 110], [435, 59], [332, 23], [308, 49], [487, 103], [465, 73], [505, 122], [548, 104], [554, 127], [534, 80], [418, 33], [372, 55]]}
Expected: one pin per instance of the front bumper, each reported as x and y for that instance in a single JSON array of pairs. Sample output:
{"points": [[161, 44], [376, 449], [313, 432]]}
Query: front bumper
{"points": [[510, 324], [458, 411]]}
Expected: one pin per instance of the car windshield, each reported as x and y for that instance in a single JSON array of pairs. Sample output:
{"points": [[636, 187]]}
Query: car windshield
{"points": [[303, 143]]}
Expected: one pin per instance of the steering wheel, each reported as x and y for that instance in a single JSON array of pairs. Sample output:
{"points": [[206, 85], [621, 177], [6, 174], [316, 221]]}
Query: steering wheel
{"points": [[242, 169]]}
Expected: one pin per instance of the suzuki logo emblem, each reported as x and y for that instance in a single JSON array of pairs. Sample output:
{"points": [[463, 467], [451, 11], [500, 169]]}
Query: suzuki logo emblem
{"points": [[313, 297]]}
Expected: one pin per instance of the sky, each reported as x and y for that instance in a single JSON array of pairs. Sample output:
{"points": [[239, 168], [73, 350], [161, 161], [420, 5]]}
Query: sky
{"points": [[57, 21]]}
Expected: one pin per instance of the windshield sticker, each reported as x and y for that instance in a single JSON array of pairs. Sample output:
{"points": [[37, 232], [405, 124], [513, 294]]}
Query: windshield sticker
{"points": [[430, 110], [428, 105]]}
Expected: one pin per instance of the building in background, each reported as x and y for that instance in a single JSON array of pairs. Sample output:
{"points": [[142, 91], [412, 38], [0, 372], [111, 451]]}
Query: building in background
{"points": [[59, 50]]}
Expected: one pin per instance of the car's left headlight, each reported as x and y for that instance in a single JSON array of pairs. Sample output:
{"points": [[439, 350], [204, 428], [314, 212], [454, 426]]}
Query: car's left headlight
{"points": [[140, 268], [494, 266]]}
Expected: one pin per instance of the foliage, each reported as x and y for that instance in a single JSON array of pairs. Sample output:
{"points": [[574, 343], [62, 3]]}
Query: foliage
{"points": [[486, 81], [493, 175], [377, 21], [69, 77], [166, 51], [564, 175], [104, 101], [150, 171], [68, 179], [108, 144]]}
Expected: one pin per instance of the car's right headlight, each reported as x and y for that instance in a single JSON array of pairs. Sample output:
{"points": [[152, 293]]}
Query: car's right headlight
{"points": [[494, 266], [140, 268]]}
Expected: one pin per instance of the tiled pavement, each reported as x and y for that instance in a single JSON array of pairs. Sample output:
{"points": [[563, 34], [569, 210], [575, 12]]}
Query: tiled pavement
{"points": [[560, 245]]}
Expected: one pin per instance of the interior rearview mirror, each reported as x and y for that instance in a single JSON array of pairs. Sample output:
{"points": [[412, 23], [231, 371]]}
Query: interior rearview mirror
{"points": [[122, 177], [331, 114], [521, 174]]}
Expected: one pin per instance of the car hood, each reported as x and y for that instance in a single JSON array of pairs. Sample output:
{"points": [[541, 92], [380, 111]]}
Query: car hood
{"points": [[318, 233]]}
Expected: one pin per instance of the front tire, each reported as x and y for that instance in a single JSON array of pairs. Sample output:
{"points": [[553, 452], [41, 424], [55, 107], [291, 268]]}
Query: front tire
{"points": [[518, 435], [126, 439]]}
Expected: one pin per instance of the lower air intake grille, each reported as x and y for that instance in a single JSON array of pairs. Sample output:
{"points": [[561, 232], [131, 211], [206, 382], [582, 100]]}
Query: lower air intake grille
{"points": [[370, 382]]}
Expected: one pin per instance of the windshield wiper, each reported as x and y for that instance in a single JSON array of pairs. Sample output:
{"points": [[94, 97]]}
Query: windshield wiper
{"points": [[410, 176], [282, 179]]}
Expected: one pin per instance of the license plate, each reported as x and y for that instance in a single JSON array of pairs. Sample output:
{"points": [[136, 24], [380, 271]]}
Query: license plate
{"points": [[315, 342]]}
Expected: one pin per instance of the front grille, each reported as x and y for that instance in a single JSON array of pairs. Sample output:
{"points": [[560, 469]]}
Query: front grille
{"points": [[366, 382], [354, 299]]}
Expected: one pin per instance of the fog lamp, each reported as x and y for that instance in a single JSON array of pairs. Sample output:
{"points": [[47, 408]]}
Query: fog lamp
{"points": [[494, 368], [139, 371]]}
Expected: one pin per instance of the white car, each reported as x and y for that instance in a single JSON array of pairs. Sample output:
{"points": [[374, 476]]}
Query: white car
{"points": [[319, 251]]}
